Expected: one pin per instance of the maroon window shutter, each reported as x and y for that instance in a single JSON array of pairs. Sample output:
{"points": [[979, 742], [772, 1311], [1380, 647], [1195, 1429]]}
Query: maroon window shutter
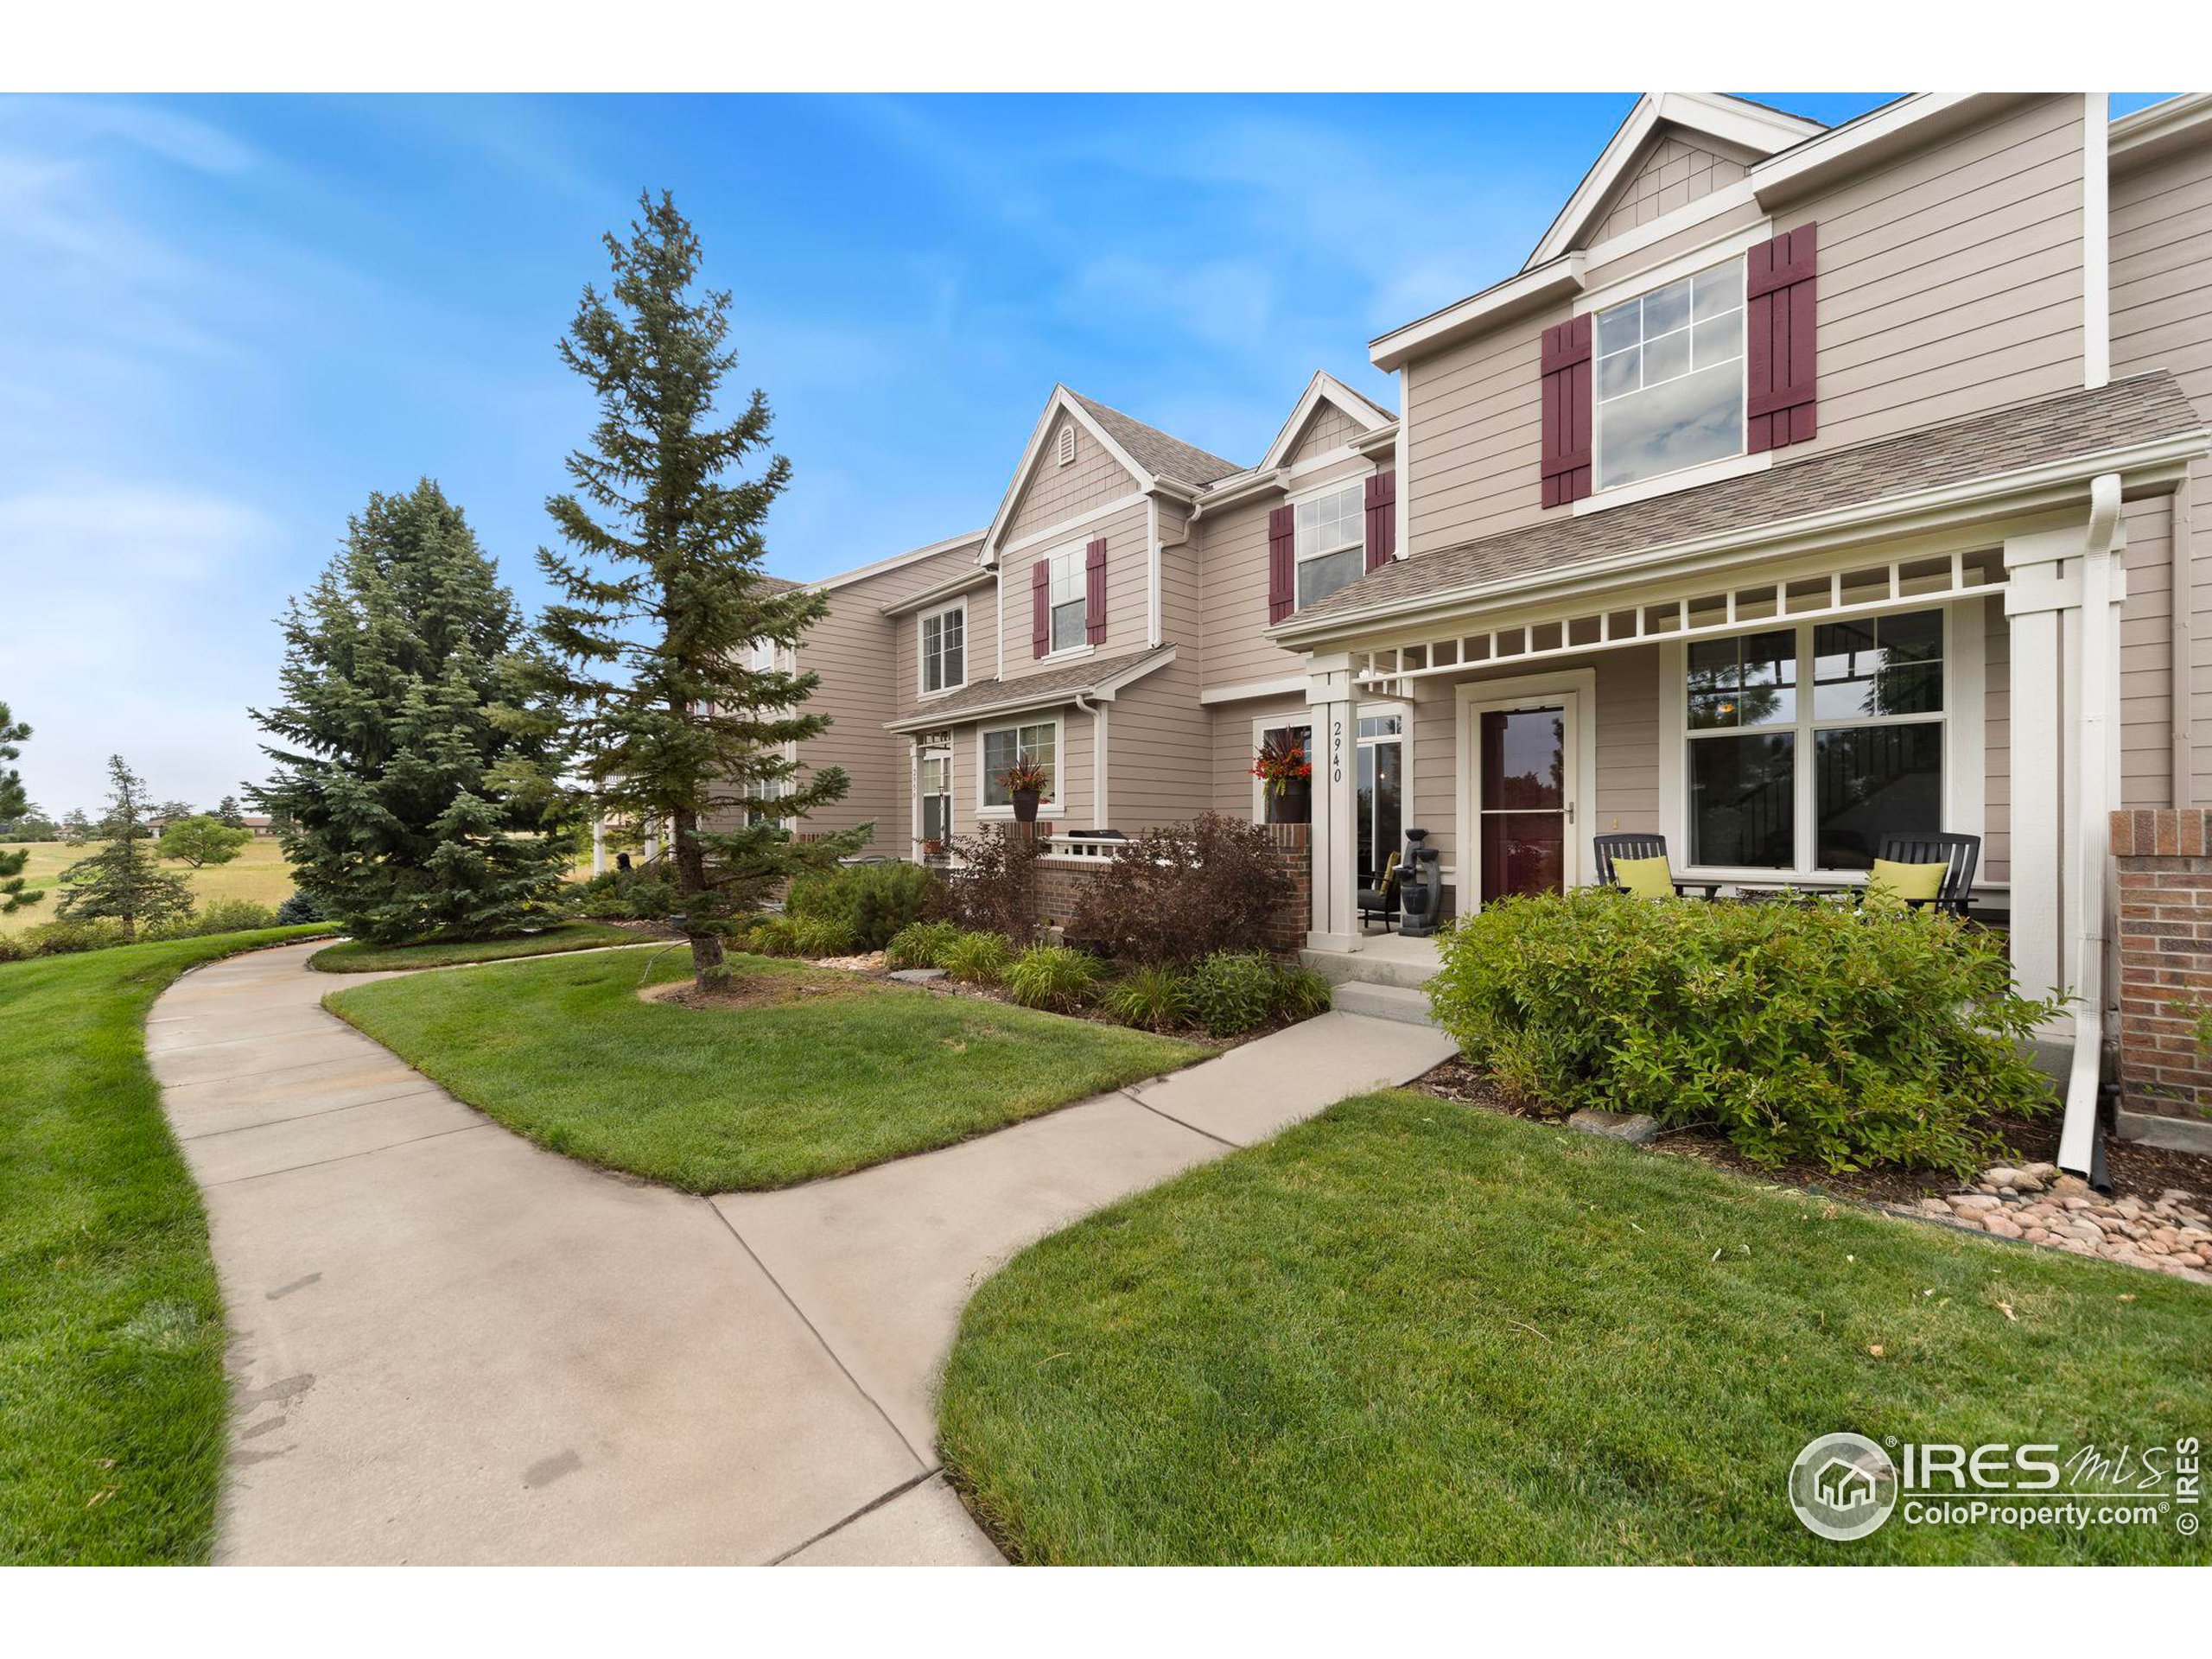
{"points": [[1779, 281], [1040, 608], [1381, 518], [1282, 574], [1566, 412], [1094, 592]]}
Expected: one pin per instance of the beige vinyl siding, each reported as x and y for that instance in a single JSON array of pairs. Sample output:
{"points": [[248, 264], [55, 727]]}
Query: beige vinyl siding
{"points": [[1182, 584], [1128, 559], [1474, 438], [2162, 319], [848, 648], [1675, 170], [1950, 281], [1159, 749], [1233, 748], [1055, 494], [1996, 744], [2146, 770], [1328, 428]]}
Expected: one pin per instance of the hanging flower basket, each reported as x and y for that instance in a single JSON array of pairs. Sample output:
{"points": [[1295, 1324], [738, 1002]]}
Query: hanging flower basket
{"points": [[1286, 775], [1028, 782]]}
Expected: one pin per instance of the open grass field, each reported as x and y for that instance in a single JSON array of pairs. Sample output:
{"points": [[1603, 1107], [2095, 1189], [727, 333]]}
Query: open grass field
{"points": [[112, 1401], [259, 874], [1408, 1332], [826, 1074]]}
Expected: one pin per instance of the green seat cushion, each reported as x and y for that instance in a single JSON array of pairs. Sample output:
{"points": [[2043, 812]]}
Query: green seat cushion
{"points": [[1644, 878], [1903, 884]]}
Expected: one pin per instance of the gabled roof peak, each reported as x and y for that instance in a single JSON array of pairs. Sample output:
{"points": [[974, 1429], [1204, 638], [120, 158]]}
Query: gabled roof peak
{"points": [[1742, 123]]}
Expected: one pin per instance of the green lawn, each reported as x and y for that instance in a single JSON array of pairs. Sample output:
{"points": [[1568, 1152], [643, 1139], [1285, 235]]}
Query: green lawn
{"points": [[719, 1100], [112, 1400], [258, 873], [359, 956], [1408, 1332]]}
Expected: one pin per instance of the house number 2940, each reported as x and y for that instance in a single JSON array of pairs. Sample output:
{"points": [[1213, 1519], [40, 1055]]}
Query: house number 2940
{"points": [[1335, 751]]}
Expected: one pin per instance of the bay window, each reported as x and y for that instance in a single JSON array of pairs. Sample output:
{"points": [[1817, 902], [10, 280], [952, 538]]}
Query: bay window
{"points": [[1671, 378], [1807, 744]]}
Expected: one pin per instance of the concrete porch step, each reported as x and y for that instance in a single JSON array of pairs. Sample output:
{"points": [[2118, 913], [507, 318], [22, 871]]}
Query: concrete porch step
{"points": [[1400, 1003], [1387, 960]]}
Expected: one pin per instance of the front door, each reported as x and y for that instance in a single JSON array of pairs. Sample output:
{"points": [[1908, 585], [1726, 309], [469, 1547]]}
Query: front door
{"points": [[1523, 799]]}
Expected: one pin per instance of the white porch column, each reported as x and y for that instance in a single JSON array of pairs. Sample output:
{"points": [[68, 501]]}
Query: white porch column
{"points": [[599, 846], [2043, 604], [1329, 696]]}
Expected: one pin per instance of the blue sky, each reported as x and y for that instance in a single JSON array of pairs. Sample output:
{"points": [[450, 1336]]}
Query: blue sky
{"points": [[226, 321]]}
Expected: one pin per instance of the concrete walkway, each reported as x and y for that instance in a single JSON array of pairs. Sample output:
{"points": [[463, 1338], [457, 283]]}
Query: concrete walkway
{"points": [[451, 1346]]}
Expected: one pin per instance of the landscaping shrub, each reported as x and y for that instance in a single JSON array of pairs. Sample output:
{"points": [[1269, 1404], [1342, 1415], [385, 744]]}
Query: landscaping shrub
{"points": [[1232, 992], [1301, 993], [873, 900], [769, 936], [66, 935], [1152, 996], [1180, 892], [994, 889], [645, 894], [301, 907], [821, 936], [921, 944], [979, 959], [217, 916], [1815, 1031], [1051, 976]]}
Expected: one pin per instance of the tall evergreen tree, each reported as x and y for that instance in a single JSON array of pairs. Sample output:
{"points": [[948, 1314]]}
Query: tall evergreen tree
{"points": [[229, 814], [404, 719], [676, 724], [122, 879], [14, 804]]}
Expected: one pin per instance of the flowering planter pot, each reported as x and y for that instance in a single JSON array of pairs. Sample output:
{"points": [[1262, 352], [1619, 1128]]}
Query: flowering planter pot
{"points": [[1025, 806]]}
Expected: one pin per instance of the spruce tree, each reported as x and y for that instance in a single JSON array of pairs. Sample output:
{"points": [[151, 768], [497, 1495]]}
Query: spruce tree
{"points": [[122, 879], [404, 722], [657, 614], [15, 804], [229, 813]]}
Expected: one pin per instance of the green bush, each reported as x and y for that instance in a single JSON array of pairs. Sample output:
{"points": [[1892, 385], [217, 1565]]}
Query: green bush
{"points": [[769, 936], [1154, 997], [644, 894], [1051, 976], [1301, 993], [979, 959], [217, 916], [1815, 1031], [67, 935], [1233, 991], [921, 944], [873, 900], [301, 906], [822, 936]]}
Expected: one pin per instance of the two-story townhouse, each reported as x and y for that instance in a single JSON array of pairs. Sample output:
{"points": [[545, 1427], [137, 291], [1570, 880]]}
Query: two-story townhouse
{"points": [[1800, 489]]}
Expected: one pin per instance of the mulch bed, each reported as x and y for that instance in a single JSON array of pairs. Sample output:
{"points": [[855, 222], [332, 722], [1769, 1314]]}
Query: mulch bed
{"points": [[2136, 1171]]}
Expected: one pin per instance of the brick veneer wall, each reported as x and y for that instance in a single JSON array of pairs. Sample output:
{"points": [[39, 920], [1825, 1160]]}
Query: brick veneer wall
{"points": [[2165, 863], [1061, 883]]}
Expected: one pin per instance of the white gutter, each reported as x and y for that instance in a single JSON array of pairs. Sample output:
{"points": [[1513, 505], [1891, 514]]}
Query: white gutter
{"points": [[2077, 1135], [1097, 713]]}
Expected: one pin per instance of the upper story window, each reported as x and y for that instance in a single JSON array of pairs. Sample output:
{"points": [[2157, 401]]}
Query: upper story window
{"points": [[1330, 543], [1070, 588], [1671, 378], [944, 649]]}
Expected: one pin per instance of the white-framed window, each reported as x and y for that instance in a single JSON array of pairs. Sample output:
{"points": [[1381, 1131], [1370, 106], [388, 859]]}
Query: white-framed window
{"points": [[1806, 743], [1037, 742], [944, 648], [933, 797], [1669, 377], [1070, 599], [1331, 541]]}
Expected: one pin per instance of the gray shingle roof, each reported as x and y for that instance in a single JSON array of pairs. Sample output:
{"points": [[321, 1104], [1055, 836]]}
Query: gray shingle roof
{"points": [[1156, 451], [1054, 683], [2136, 411]]}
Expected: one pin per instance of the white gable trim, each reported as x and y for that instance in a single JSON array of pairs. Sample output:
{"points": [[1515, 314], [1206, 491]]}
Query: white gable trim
{"points": [[1732, 120], [1061, 402], [1324, 387]]}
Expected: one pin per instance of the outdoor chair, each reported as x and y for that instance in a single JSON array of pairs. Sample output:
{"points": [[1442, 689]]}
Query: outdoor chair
{"points": [[1958, 853], [1380, 902], [1609, 848]]}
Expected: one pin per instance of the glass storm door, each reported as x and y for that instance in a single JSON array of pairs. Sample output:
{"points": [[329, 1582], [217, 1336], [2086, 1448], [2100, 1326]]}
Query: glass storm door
{"points": [[1524, 805], [934, 794], [1382, 793]]}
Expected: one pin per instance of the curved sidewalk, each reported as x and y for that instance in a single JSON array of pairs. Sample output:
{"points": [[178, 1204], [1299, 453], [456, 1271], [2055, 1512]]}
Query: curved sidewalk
{"points": [[450, 1345]]}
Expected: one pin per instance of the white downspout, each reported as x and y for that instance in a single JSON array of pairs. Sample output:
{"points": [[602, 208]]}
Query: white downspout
{"points": [[2077, 1136], [1097, 713]]}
